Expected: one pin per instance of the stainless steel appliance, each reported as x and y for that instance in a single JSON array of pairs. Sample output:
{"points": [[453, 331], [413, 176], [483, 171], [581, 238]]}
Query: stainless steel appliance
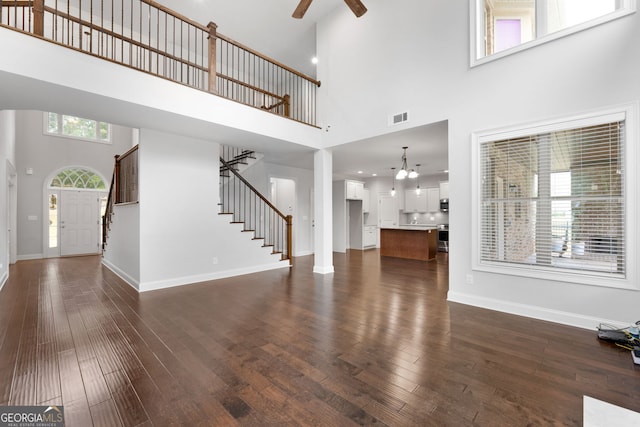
{"points": [[444, 205], [443, 237]]}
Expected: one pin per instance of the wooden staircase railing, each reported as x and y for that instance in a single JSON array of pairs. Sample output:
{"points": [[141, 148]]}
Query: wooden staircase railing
{"points": [[149, 37], [123, 188], [249, 207]]}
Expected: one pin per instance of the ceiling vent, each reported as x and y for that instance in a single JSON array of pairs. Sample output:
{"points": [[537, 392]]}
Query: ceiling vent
{"points": [[396, 119]]}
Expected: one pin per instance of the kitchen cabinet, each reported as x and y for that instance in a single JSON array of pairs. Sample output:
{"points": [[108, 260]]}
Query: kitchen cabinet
{"points": [[433, 199], [355, 190], [370, 238], [366, 200], [414, 202], [444, 190], [409, 242]]}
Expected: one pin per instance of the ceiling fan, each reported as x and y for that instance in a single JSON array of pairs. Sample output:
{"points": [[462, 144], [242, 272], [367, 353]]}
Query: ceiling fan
{"points": [[356, 7]]}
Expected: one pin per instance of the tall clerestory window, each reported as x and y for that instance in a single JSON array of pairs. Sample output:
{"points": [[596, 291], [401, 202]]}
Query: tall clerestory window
{"points": [[77, 127], [506, 26]]}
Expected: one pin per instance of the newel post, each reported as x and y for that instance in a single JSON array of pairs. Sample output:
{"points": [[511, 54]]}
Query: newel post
{"points": [[212, 57], [287, 105], [116, 179], [38, 17], [290, 238]]}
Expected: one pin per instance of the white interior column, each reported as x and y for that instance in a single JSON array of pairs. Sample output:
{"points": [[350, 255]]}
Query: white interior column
{"points": [[323, 212]]}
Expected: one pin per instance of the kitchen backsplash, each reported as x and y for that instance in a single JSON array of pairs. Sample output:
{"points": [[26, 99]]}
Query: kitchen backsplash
{"points": [[425, 218]]}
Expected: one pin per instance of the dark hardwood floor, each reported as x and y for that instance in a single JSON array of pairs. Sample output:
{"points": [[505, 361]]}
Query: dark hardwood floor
{"points": [[376, 343]]}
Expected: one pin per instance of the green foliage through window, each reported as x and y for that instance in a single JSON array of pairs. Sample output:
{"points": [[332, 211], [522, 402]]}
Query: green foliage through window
{"points": [[77, 127], [78, 178]]}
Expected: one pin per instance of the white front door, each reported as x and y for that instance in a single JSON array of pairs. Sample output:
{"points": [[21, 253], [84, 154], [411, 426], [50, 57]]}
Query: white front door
{"points": [[79, 222]]}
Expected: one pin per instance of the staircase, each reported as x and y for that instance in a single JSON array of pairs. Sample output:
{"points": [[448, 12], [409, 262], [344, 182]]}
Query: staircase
{"points": [[247, 206]]}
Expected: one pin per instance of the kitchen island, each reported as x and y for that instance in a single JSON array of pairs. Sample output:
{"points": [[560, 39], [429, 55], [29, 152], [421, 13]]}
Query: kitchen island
{"points": [[411, 242]]}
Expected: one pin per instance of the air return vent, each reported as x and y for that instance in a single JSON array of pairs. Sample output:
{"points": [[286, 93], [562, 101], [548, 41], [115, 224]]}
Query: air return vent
{"points": [[396, 119]]}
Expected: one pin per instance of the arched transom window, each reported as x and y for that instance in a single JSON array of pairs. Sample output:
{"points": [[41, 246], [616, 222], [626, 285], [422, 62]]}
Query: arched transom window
{"points": [[78, 178]]}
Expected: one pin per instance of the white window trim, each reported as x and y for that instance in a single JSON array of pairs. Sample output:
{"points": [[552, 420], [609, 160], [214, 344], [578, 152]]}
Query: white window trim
{"points": [[629, 113], [45, 130], [628, 7]]}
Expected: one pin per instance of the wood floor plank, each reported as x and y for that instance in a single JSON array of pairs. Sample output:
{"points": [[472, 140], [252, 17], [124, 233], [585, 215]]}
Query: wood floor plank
{"points": [[105, 414], [375, 343], [95, 385]]}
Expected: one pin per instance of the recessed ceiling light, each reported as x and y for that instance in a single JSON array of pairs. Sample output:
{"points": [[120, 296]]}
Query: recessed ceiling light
{"points": [[374, 174], [314, 60], [360, 172]]}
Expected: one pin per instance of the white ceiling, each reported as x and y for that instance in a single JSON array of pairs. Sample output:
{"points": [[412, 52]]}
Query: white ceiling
{"points": [[267, 26]]}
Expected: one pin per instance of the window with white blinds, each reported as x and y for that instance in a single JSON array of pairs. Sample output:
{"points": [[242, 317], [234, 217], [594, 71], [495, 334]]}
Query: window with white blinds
{"points": [[552, 197]]}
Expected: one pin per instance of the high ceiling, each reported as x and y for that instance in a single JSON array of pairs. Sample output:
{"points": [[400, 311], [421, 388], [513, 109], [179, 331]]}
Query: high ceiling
{"points": [[263, 25], [267, 26]]}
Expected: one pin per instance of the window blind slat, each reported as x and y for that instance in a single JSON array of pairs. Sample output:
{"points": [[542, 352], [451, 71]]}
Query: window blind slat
{"points": [[555, 199]]}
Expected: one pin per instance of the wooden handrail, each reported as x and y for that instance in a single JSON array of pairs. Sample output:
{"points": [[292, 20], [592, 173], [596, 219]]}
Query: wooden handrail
{"points": [[95, 27], [248, 184], [175, 14], [114, 193], [266, 58], [128, 152], [287, 219], [257, 89], [106, 218]]}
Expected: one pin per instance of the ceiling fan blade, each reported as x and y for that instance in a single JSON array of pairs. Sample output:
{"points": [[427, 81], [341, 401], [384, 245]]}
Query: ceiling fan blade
{"points": [[356, 7], [301, 9]]}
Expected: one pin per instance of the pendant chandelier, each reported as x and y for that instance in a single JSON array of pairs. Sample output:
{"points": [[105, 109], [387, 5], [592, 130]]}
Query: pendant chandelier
{"points": [[404, 172], [393, 182]]}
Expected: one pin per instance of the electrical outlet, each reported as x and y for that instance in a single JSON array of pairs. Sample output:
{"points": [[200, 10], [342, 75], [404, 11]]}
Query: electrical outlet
{"points": [[215, 260], [469, 279]]}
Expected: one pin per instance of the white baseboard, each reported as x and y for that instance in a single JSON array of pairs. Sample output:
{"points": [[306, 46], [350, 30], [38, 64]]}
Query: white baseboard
{"points": [[135, 284], [29, 257], [189, 280], [323, 270], [535, 312], [303, 253], [3, 279]]}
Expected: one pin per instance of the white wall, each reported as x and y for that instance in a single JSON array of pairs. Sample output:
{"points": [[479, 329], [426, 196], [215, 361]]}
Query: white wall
{"points": [[7, 154], [183, 239], [391, 60], [122, 252], [339, 216], [46, 154]]}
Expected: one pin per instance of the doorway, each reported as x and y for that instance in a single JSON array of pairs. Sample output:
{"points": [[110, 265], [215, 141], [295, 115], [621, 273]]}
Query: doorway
{"points": [[283, 196], [12, 203], [388, 213], [75, 201]]}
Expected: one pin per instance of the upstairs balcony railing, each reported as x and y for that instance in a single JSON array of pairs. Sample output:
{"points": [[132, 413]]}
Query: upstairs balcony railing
{"points": [[149, 37]]}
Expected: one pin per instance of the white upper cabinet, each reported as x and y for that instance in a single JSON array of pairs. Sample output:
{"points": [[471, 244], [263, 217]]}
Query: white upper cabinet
{"points": [[365, 200], [444, 190], [427, 201], [355, 190], [414, 202], [433, 199]]}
